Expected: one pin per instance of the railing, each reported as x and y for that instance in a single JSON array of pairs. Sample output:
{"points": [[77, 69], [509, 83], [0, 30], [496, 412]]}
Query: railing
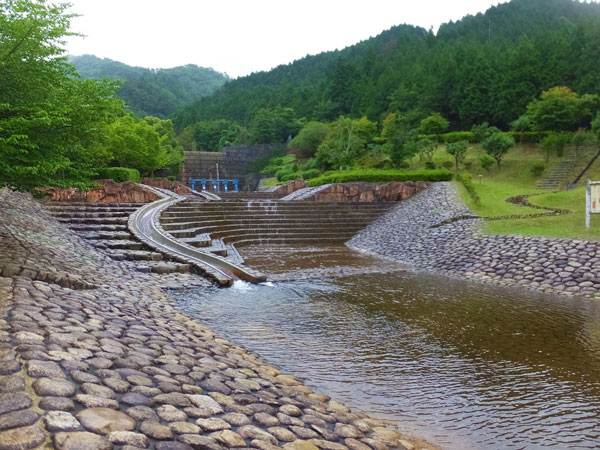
{"points": [[216, 184]]}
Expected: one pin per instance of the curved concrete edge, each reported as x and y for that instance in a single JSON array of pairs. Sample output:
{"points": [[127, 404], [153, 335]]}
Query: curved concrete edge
{"points": [[144, 224], [207, 195]]}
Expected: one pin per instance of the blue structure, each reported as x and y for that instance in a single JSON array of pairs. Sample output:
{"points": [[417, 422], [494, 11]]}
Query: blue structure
{"points": [[215, 184]]}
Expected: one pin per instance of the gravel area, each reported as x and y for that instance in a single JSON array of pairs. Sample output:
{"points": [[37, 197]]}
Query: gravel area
{"points": [[420, 232], [94, 356]]}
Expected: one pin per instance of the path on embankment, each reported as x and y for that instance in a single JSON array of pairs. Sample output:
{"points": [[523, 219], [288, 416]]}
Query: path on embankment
{"points": [[421, 232], [94, 356]]}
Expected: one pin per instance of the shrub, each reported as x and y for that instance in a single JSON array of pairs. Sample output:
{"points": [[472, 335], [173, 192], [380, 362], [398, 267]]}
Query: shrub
{"points": [[404, 164], [486, 161], [430, 165], [528, 137], [381, 176], [171, 178], [497, 145], [458, 150], [467, 182], [311, 173], [290, 177], [456, 136], [537, 169], [284, 172], [447, 164], [119, 174]]}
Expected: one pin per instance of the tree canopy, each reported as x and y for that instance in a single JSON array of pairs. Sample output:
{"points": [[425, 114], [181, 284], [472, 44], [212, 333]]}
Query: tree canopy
{"points": [[483, 68]]}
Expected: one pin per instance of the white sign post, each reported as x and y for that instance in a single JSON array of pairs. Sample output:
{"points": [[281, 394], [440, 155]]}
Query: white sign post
{"points": [[592, 200]]}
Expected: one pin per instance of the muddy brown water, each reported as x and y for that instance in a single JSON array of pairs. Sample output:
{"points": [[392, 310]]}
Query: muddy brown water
{"points": [[463, 365]]}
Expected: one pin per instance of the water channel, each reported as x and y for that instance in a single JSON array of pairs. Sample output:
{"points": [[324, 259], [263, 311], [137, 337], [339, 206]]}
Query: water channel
{"points": [[463, 365]]}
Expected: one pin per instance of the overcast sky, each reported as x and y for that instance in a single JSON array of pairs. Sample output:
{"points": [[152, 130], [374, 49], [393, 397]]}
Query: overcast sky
{"points": [[239, 37]]}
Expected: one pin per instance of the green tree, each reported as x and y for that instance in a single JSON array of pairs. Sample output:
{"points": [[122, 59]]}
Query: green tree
{"points": [[554, 142], [581, 138], [458, 150], [483, 131], [497, 145], [51, 123], [596, 126], [186, 138], [434, 124], [208, 133], [342, 145], [137, 144], [310, 137], [425, 149], [400, 138], [557, 109]]}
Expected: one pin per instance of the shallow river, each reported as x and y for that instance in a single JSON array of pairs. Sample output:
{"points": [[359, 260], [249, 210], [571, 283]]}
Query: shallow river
{"points": [[463, 365]]}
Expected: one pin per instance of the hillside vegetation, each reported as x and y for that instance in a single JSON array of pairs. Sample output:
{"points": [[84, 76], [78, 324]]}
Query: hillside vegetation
{"points": [[150, 92], [483, 68]]}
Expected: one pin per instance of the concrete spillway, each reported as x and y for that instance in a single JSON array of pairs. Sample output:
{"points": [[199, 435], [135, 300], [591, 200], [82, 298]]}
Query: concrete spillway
{"points": [[145, 226]]}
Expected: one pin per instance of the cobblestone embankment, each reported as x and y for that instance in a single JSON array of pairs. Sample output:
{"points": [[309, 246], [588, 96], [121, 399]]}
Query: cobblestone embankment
{"points": [[93, 356], [421, 232]]}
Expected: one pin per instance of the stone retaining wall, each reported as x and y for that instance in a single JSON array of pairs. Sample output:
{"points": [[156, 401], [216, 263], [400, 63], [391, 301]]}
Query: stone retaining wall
{"points": [[109, 363], [109, 192], [369, 192], [410, 233]]}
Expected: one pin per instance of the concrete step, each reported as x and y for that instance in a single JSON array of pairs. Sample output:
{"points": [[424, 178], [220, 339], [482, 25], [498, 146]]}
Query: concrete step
{"points": [[97, 227], [312, 237], [105, 235], [162, 267], [94, 220], [185, 230], [200, 240], [133, 255], [118, 244], [90, 214]]}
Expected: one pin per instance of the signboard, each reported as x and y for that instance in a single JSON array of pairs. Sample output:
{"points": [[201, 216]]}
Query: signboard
{"points": [[592, 200], [595, 198]]}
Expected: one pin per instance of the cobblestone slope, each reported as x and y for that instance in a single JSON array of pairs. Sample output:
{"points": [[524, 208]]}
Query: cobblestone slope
{"points": [[93, 356], [420, 232]]}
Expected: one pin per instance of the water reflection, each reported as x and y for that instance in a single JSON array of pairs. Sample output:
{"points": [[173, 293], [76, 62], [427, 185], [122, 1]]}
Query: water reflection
{"points": [[463, 365]]}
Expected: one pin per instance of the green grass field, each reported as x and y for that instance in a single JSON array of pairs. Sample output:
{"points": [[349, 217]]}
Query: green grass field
{"points": [[516, 178]]}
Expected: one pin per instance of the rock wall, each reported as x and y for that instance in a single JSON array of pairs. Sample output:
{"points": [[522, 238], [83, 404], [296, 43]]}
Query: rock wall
{"points": [[429, 231], [289, 187], [370, 192], [174, 186], [109, 192]]}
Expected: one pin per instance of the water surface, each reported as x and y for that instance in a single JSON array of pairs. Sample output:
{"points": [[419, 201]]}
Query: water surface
{"points": [[463, 365]]}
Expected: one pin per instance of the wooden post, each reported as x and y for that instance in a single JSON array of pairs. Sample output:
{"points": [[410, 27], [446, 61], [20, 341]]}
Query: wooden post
{"points": [[588, 203]]}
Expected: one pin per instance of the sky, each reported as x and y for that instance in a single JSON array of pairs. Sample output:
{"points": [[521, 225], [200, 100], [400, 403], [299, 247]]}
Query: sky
{"points": [[239, 37]]}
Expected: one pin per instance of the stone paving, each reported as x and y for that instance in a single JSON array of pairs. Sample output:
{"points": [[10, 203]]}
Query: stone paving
{"points": [[93, 356], [421, 232]]}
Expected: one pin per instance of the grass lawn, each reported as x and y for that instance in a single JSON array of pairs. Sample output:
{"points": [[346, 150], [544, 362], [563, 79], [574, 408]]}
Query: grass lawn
{"points": [[516, 178], [567, 225], [269, 182]]}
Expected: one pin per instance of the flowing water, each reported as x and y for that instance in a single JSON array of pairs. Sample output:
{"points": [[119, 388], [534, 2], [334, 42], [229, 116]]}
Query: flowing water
{"points": [[463, 365]]}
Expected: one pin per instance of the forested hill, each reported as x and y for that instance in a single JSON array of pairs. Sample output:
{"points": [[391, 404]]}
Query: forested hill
{"points": [[482, 68], [153, 92]]}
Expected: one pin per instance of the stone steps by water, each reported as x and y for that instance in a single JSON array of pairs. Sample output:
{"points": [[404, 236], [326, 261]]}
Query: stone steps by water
{"points": [[104, 226], [273, 222]]}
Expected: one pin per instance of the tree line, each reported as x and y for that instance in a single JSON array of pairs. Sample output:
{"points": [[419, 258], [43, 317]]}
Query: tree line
{"points": [[483, 68], [57, 129]]}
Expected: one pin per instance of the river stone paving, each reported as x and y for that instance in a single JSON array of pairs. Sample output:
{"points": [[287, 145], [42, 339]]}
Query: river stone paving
{"points": [[93, 356], [411, 234]]}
